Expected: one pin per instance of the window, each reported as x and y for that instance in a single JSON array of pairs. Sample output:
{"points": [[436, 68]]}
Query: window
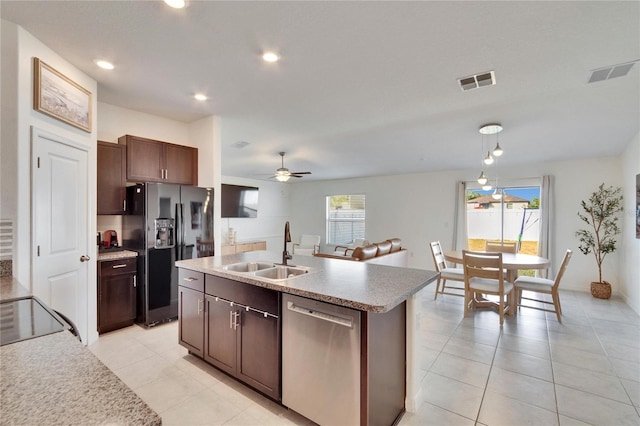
{"points": [[345, 218], [514, 217]]}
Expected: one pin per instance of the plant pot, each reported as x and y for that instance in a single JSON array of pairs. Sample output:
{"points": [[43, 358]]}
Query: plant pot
{"points": [[601, 290]]}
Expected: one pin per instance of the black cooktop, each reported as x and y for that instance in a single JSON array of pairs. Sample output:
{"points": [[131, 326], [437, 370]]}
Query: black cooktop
{"points": [[26, 318]]}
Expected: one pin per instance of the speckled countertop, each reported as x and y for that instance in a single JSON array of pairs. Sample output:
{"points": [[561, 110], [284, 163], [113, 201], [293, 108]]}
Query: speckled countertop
{"points": [[357, 285], [55, 380], [115, 255]]}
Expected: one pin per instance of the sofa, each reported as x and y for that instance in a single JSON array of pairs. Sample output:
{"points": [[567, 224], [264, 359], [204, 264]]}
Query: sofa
{"points": [[388, 252]]}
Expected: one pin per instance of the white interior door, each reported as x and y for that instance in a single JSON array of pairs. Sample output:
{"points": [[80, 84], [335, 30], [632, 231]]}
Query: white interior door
{"points": [[60, 232]]}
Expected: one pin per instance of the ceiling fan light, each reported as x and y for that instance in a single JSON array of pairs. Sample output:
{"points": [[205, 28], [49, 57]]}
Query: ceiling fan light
{"points": [[282, 177], [497, 151], [488, 159], [482, 179]]}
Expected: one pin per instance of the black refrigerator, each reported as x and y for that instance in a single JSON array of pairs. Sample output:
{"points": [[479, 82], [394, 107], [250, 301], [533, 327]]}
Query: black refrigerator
{"points": [[165, 223]]}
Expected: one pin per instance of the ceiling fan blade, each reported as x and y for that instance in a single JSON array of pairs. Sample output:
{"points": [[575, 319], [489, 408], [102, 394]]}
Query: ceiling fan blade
{"points": [[300, 173]]}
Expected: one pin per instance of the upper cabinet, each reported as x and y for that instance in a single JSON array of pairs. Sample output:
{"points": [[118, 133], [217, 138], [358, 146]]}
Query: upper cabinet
{"points": [[149, 160], [111, 178]]}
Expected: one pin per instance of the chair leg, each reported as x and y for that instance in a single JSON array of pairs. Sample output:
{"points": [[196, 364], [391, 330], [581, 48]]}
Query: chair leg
{"points": [[467, 300], [556, 304], [501, 305], [437, 289]]}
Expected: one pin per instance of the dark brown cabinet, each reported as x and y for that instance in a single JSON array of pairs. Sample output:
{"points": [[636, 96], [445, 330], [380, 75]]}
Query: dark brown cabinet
{"points": [[233, 326], [191, 311], [242, 332], [116, 294], [111, 178], [149, 160]]}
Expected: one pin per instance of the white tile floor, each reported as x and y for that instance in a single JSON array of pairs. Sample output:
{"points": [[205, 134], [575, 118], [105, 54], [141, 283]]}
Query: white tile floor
{"points": [[534, 371]]}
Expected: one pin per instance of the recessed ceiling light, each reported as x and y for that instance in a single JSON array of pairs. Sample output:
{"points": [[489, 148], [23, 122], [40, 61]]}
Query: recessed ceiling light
{"points": [[270, 57], [176, 4], [104, 65], [200, 97]]}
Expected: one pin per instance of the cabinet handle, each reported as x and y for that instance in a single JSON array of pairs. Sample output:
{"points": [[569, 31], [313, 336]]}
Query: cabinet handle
{"points": [[236, 320], [135, 281], [119, 266], [230, 319], [199, 306], [166, 173], [189, 279], [124, 205]]}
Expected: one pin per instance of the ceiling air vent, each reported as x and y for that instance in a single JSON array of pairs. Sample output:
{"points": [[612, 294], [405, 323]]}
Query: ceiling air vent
{"points": [[240, 144], [478, 80], [613, 71]]}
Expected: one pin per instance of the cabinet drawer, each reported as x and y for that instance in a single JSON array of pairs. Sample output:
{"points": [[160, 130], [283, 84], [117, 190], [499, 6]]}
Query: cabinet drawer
{"points": [[246, 294], [191, 279], [120, 266]]}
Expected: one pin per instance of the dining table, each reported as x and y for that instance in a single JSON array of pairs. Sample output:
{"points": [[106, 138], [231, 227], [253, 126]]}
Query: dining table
{"points": [[511, 262]]}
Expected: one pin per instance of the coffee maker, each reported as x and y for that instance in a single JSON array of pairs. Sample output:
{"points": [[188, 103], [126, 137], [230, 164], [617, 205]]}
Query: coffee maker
{"points": [[110, 239]]}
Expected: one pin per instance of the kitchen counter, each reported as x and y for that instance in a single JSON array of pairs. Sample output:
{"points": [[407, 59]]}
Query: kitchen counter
{"points": [[54, 379], [115, 255], [356, 285]]}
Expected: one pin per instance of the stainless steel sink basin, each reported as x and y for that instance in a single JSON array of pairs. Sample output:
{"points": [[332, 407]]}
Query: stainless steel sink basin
{"points": [[248, 266], [280, 272]]}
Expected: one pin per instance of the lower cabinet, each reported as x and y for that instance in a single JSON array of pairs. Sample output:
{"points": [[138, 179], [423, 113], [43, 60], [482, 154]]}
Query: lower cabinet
{"points": [[233, 326], [116, 294]]}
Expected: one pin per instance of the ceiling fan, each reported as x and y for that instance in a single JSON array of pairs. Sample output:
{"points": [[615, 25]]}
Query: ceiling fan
{"points": [[283, 174]]}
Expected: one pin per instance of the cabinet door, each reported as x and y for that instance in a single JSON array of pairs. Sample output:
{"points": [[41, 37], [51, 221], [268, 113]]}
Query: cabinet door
{"points": [[111, 176], [144, 159], [117, 301], [220, 335], [191, 320], [259, 352], [181, 164]]}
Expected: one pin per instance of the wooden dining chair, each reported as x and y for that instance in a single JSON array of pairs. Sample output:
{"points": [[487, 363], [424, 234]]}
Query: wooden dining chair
{"points": [[501, 247], [484, 274], [446, 273], [544, 286]]}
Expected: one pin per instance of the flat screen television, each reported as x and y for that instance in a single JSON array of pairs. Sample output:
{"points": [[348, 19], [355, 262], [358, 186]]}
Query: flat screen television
{"points": [[239, 201]]}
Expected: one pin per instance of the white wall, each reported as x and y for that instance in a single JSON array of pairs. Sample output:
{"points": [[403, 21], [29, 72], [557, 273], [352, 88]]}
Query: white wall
{"points": [[18, 117], [630, 245], [419, 208], [273, 211]]}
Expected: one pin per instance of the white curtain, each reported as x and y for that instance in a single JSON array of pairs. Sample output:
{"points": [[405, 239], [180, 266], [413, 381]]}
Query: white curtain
{"points": [[545, 248], [460, 238]]}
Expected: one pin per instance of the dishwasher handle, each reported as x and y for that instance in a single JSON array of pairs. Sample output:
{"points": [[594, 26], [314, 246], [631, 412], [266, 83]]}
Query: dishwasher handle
{"points": [[325, 316]]}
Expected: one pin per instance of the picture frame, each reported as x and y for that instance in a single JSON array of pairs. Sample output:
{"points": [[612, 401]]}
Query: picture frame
{"points": [[60, 97]]}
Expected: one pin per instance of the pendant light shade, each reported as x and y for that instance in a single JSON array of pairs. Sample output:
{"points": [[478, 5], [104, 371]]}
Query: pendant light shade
{"points": [[487, 187], [482, 179], [488, 160], [497, 194], [497, 151]]}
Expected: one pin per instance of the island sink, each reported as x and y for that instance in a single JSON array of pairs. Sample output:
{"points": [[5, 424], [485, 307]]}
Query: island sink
{"points": [[270, 271]]}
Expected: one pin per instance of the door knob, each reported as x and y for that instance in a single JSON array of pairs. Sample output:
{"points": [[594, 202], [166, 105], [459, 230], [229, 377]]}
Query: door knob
{"points": [[84, 258]]}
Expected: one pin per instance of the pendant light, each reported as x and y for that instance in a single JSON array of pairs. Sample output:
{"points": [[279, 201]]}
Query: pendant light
{"points": [[490, 129]]}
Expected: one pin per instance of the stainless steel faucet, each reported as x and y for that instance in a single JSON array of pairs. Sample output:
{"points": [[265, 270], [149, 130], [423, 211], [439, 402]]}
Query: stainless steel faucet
{"points": [[287, 239]]}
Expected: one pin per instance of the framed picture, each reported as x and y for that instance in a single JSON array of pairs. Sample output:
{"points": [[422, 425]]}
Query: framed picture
{"points": [[56, 95]]}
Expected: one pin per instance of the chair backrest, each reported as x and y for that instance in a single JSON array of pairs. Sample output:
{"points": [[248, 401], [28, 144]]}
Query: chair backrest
{"points": [[359, 242], [309, 241], [563, 266], [438, 256], [483, 265], [501, 247]]}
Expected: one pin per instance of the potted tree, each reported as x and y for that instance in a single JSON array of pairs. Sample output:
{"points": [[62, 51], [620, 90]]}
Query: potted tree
{"points": [[600, 212]]}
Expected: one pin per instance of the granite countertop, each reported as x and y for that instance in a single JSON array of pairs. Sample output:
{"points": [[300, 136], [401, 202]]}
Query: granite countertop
{"points": [[115, 255], [357, 285], [10, 288], [54, 379]]}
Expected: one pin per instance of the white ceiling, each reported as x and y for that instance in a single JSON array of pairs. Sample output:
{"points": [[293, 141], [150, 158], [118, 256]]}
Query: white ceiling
{"points": [[363, 88]]}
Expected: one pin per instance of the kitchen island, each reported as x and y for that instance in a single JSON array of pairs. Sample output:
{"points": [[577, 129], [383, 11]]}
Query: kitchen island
{"points": [[54, 379], [374, 306]]}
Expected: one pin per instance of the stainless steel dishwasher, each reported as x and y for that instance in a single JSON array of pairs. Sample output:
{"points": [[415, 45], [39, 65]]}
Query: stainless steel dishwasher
{"points": [[321, 361]]}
